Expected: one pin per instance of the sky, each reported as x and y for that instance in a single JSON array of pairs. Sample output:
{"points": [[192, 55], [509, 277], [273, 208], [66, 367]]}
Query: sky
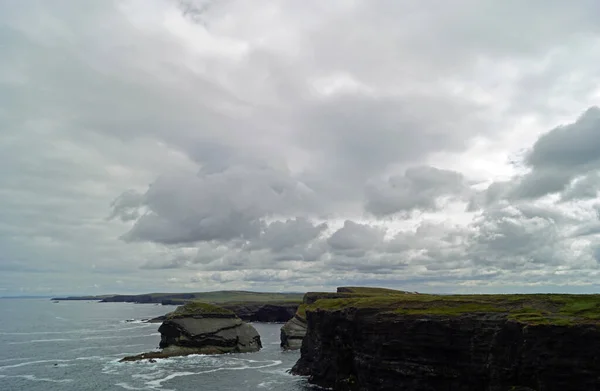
{"points": [[181, 145]]}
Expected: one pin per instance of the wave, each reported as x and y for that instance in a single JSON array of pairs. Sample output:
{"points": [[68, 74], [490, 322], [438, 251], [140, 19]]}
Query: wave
{"points": [[81, 339], [59, 360], [38, 379], [23, 364], [105, 347], [157, 383], [80, 331], [128, 387], [16, 359]]}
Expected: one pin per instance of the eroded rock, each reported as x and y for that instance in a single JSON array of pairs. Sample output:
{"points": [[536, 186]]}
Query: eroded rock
{"points": [[293, 332], [200, 328]]}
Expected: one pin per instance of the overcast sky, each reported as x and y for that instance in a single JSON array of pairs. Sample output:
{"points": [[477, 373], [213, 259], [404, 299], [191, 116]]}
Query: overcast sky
{"points": [[431, 145]]}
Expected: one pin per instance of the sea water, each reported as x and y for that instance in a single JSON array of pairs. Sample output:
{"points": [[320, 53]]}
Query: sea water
{"points": [[76, 345]]}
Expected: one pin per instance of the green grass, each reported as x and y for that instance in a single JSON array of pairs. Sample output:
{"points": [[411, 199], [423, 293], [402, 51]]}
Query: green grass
{"points": [[556, 309], [301, 312], [369, 290], [198, 308]]}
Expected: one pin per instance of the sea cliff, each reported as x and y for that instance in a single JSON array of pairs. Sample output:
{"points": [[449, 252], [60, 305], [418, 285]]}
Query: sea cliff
{"points": [[293, 332], [453, 343]]}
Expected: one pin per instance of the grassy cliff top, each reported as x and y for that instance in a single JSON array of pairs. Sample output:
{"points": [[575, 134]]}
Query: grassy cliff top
{"points": [[557, 309], [199, 308], [347, 292], [369, 290]]}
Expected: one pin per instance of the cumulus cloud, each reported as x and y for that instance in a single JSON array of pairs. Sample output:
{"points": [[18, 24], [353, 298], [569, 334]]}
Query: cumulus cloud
{"points": [[565, 160], [216, 206], [419, 188], [355, 239]]}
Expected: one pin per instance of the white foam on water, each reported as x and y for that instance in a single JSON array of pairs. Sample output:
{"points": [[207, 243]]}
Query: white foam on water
{"points": [[157, 383], [39, 340], [23, 364], [38, 379], [16, 359], [80, 331], [82, 339], [97, 358], [280, 372], [54, 361], [128, 387], [149, 376], [154, 384], [105, 347]]}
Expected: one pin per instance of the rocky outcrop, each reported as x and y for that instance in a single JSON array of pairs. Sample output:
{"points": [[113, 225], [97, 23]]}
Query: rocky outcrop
{"points": [[199, 328], [293, 332], [369, 349]]}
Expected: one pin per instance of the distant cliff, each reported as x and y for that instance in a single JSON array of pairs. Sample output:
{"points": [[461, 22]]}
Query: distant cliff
{"points": [[248, 306], [454, 343], [218, 297]]}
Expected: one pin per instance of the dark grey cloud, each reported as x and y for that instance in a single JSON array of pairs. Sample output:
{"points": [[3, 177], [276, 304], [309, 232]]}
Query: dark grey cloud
{"points": [[282, 235], [560, 156], [563, 161], [221, 206], [583, 188], [354, 239], [572, 146], [419, 188]]}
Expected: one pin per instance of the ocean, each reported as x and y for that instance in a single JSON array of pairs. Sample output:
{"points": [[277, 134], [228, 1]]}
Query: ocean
{"points": [[76, 345]]}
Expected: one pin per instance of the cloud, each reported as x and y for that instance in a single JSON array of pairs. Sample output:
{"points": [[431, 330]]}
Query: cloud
{"points": [[282, 235], [419, 188], [354, 239], [558, 158], [220, 206], [282, 146]]}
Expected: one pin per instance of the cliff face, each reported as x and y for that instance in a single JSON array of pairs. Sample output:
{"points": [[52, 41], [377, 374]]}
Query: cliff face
{"points": [[293, 332], [254, 312], [365, 349], [226, 334], [260, 312]]}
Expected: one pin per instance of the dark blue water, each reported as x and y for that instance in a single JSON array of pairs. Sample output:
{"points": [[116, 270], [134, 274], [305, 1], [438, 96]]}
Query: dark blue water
{"points": [[77, 345]]}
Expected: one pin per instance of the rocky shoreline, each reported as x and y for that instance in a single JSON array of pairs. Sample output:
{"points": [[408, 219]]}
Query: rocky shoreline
{"points": [[363, 339]]}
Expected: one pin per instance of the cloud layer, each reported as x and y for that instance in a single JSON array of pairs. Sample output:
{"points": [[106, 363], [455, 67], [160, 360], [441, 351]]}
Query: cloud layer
{"points": [[197, 145]]}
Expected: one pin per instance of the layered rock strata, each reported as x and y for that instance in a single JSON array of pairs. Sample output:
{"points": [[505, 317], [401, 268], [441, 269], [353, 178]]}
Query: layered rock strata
{"points": [[199, 328]]}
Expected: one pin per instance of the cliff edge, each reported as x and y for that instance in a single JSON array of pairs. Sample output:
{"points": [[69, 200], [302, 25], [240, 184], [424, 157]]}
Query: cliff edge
{"points": [[293, 332], [453, 343]]}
